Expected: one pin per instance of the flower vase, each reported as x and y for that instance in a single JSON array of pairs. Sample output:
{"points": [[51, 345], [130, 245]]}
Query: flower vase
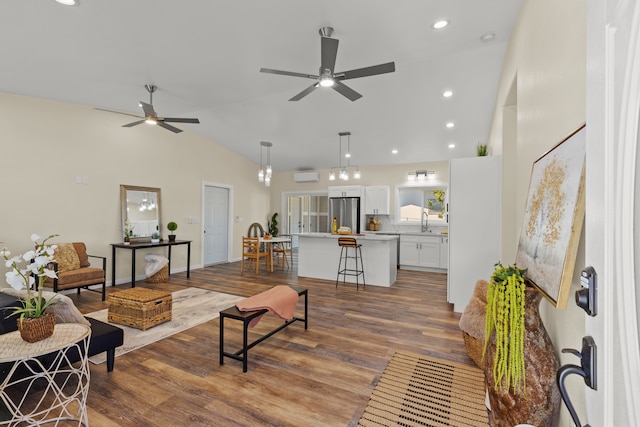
{"points": [[38, 328], [172, 237], [539, 402]]}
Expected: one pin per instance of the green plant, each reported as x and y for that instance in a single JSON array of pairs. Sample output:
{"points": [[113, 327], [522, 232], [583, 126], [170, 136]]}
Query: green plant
{"points": [[38, 263], [128, 229], [505, 315], [481, 150], [172, 226], [273, 225], [155, 235], [439, 195]]}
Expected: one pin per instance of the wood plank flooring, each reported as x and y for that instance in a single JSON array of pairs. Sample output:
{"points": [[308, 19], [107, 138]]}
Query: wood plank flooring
{"points": [[319, 377]]}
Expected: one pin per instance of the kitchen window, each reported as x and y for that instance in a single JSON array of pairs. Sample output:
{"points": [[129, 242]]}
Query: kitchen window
{"points": [[413, 201]]}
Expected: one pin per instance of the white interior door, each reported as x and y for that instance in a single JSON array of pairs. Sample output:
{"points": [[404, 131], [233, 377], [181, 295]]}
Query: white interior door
{"points": [[613, 208], [216, 224]]}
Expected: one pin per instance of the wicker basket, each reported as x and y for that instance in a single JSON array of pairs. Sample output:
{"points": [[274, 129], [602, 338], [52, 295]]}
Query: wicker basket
{"points": [[474, 348], [140, 307], [161, 275], [33, 330]]}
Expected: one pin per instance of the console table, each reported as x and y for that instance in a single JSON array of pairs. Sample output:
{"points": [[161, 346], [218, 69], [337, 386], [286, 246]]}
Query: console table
{"points": [[135, 246], [65, 395]]}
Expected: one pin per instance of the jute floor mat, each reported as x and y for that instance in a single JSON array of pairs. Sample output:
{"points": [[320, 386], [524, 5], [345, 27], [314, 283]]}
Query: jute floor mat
{"points": [[416, 390]]}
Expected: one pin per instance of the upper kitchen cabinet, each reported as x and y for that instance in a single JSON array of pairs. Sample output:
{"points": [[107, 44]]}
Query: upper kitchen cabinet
{"points": [[346, 191], [376, 200]]}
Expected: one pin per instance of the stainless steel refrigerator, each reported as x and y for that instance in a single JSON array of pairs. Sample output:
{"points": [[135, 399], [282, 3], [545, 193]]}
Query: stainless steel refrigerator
{"points": [[346, 210]]}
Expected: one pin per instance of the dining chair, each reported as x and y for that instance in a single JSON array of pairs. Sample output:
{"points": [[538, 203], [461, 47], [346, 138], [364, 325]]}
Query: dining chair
{"points": [[251, 251], [286, 250]]}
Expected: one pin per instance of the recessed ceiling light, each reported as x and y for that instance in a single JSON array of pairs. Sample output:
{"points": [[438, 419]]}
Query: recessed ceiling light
{"points": [[487, 37], [452, 145], [394, 151], [447, 93], [450, 125], [438, 25], [67, 2]]}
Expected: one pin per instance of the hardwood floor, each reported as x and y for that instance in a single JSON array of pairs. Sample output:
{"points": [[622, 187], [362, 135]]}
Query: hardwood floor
{"points": [[319, 377]]}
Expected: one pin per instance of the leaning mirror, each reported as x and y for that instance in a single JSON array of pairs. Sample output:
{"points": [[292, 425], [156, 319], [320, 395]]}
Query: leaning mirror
{"points": [[140, 212]]}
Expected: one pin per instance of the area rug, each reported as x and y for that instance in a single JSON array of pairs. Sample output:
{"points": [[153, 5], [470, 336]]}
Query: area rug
{"points": [[416, 390], [191, 307]]}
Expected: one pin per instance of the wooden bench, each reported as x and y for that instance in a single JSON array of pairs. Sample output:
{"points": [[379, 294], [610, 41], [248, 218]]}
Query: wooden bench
{"points": [[246, 317]]}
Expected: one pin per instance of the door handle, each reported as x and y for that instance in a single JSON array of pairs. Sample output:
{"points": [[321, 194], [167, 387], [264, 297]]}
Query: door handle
{"points": [[586, 370]]}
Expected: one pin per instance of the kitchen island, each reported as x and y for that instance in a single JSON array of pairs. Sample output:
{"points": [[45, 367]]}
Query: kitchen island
{"points": [[319, 254]]}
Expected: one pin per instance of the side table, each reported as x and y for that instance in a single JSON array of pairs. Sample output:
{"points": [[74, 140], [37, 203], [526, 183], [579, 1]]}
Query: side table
{"points": [[63, 396]]}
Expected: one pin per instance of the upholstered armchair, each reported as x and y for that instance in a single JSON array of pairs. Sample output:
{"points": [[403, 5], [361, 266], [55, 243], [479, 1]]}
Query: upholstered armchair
{"points": [[75, 271]]}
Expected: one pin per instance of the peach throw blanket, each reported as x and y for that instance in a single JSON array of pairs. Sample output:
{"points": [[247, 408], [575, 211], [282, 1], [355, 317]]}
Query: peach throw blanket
{"points": [[281, 300]]}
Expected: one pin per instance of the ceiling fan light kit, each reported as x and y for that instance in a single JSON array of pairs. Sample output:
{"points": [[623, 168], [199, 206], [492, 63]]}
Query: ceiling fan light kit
{"points": [[327, 77]]}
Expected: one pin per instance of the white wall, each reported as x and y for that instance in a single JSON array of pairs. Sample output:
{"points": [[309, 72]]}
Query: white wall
{"points": [[546, 66], [46, 144]]}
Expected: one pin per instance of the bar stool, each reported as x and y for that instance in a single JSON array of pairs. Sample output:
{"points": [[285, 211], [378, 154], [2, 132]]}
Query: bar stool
{"points": [[347, 243]]}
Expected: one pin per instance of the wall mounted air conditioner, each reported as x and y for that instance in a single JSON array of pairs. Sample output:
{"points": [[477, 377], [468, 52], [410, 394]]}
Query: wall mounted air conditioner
{"points": [[306, 176]]}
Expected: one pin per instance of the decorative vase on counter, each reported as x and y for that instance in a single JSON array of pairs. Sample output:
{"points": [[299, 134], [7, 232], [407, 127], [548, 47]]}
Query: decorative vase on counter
{"points": [[38, 328], [172, 237], [539, 403]]}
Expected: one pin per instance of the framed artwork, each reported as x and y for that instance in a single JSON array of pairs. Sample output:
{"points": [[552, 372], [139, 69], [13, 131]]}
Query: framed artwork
{"points": [[553, 218]]}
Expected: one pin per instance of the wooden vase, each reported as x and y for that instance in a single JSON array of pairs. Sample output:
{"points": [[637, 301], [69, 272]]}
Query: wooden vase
{"points": [[538, 404], [37, 329]]}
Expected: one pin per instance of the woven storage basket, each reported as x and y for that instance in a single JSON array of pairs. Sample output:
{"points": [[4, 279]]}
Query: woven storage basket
{"points": [[33, 330], [161, 275], [474, 348], [140, 308]]}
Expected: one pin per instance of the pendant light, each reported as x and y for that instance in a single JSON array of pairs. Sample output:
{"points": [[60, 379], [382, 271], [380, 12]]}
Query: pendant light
{"points": [[265, 175], [343, 171]]}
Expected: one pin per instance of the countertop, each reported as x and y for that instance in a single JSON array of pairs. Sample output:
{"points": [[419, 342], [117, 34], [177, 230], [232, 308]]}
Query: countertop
{"points": [[409, 233], [380, 237]]}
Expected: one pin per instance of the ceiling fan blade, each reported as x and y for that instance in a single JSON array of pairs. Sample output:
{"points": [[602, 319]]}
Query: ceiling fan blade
{"points": [[128, 125], [305, 92], [288, 73], [148, 109], [118, 112], [389, 67], [168, 127], [328, 53], [177, 120], [346, 91]]}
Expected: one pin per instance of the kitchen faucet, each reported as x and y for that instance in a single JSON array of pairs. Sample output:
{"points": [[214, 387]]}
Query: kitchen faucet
{"points": [[424, 221]]}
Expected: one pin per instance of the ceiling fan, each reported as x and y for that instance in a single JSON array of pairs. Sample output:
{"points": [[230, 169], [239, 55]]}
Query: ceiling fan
{"points": [[329, 78], [150, 115]]}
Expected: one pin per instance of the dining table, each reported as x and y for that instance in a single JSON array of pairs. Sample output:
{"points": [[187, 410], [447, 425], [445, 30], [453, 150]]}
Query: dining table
{"points": [[281, 240]]}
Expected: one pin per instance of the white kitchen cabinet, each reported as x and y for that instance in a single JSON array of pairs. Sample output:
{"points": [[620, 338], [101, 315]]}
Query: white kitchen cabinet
{"points": [[346, 191], [444, 252], [376, 200], [420, 251]]}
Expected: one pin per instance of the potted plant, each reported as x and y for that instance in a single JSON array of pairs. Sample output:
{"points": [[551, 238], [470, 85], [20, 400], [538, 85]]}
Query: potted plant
{"points": [[172, 226], [520, 360], [273, 225], [127, 232], [155, 237], [481, 150], [34, 324]]}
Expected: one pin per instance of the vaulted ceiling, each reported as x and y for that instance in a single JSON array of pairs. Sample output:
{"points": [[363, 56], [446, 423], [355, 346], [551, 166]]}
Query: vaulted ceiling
{"points": [[205, 57]]}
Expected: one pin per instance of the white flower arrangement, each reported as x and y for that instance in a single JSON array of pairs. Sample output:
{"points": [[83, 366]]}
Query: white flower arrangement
{"points": [[38, 262]]}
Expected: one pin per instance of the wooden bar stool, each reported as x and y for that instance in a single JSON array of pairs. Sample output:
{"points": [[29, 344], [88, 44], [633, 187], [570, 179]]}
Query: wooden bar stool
{"points": [[346, 244]]}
